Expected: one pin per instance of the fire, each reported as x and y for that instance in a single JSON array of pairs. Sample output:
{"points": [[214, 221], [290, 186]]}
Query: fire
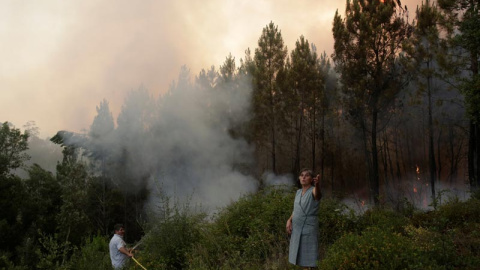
{"points": [[417, 170], [421, 194]]}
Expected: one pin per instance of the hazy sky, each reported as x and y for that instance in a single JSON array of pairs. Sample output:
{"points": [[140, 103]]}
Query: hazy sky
{"points": [[61, 58]]}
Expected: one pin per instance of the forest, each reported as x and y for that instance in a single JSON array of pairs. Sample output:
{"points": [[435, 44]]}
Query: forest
{"points": [[203, 176]]}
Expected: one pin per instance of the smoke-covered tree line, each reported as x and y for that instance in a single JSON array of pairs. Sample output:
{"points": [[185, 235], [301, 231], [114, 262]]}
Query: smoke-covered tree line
{"points": [[383, 119], [389, 120], [461, 23], [387, 123]]}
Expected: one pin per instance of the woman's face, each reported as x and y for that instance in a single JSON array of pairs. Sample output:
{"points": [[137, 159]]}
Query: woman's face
{"points": [[305, 178]]}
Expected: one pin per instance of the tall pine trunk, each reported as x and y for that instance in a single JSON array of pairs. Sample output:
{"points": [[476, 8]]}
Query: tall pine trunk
{"points": [[375, 183], [296, 168], [273, 152], [474, 139], [473, 156], [368, 159], [431, 150]]}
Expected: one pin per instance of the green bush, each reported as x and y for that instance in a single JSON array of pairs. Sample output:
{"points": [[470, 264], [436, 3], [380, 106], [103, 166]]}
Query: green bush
{"points": [[53, 252], [435, 245], [335, 219], [457, 213], [248, 234], [466, 243], [376, 248], [456, 226], [171, 238], [7, 264], [383, 218], [454, 213], [94, 254]]}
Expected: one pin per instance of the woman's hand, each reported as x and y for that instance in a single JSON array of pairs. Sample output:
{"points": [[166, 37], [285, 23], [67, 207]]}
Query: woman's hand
{"points": [[317, 194], [316, 180], [289, 226]]}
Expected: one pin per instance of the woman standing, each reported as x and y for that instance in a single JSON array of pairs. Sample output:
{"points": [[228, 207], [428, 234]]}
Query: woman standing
{"points": [[303, 223]]}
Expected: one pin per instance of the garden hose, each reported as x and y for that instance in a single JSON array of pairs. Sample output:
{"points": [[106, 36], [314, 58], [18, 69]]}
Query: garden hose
{"points": [[135, 260]]}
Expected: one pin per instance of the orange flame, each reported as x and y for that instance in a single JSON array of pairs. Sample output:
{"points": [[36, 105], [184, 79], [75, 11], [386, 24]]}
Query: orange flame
{"points": [[415, 190]]}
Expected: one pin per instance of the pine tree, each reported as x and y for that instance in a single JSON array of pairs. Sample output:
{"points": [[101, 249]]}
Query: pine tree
{"points": [[422, 51], [462, 20], [304, 87], [367, 44], [13, 145], [269, 60]]}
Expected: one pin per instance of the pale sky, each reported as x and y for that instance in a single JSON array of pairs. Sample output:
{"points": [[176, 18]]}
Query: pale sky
{"points": [[60, 59]]}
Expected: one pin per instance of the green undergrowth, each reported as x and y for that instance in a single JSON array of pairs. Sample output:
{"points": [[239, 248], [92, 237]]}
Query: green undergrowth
{"points": [[250, 234]]}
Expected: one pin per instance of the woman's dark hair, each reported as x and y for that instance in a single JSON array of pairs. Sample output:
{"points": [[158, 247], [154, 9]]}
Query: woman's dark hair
{"points": [[306, 170]]}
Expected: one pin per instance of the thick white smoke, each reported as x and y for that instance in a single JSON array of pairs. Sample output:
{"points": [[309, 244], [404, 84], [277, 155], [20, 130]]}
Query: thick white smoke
{"points": [[194, 151], [182, 144]]}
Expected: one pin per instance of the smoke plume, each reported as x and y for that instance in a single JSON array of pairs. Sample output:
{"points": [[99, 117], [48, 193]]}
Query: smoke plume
{"points": [[181, 144]]}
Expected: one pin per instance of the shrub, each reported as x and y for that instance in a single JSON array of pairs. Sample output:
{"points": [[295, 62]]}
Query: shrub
{"points": [[7, 264], [53, 252], [456, 229], [466, 243], [452, 214], [94, 254], [456, 213], [171, 238], [376, 248], [436, 246], [335, 219], [382, 218], [248, 234]]}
